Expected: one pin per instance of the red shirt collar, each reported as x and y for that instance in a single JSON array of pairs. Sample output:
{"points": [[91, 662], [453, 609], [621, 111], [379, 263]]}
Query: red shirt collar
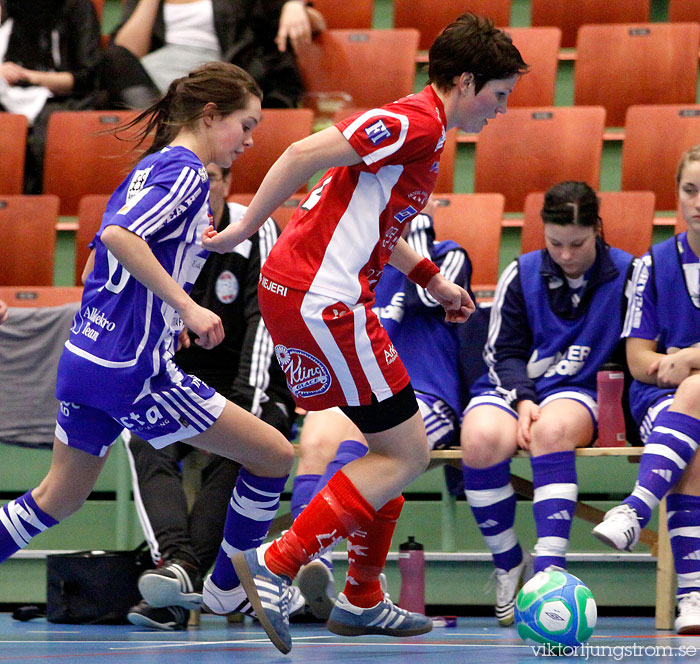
{"points": [[430, 92]]}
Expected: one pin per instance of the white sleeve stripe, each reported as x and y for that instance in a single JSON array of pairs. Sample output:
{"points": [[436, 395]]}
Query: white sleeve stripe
{"points": [[261, 357], [381, 153], [186, 183], [634, 299], [263, 347], [187, 189], [159, 204], [418, 241], [267, 236], [495, 320], [452, 264], [156, 216]]}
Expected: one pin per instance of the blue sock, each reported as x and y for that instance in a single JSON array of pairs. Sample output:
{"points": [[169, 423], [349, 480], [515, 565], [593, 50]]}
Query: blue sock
{"points": [[250, 511], [684, 531], [670, 446], [303, 491], [492, 501], [553, 506], [20, 520], [348, 451]]}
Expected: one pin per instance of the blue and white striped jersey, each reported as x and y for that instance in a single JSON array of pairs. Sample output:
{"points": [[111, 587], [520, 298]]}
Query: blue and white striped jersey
{"points": [[666, 309], [539, 340], [121, 325]]}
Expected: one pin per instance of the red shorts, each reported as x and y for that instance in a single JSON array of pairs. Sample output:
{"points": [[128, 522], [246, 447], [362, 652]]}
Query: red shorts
{"points": [[332, 354]]}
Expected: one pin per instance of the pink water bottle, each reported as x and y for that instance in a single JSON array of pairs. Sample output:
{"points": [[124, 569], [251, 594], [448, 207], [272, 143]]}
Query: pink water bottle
{"points": [[412, 568], [611, 419]]}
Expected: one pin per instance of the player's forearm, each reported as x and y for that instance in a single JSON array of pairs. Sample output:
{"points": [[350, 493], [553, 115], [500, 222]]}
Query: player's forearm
{"points": [[294, 168], [282, 180], [135, 256], [404, 258], [641, 355]]}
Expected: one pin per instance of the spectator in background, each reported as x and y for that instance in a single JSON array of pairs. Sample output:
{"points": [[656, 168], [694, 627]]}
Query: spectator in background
{"points": [[159, 40], [557, 316], [242, 368], [48, 53]]}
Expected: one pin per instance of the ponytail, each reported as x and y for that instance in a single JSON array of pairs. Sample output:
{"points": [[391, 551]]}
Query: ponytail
{"points": [[225, 85]]}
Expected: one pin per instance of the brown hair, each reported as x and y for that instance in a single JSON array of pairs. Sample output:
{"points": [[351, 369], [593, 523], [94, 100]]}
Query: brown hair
{"points": [[221, 83], [692, 154], [472, 44]]}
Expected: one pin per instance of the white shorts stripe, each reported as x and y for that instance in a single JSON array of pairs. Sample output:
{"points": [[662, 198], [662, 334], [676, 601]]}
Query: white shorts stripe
{"points": [[311, 311], [380, 388]]}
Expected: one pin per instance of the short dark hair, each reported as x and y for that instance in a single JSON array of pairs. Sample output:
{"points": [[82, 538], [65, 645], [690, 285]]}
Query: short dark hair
{"points": [[571, 202], [472, 44]]}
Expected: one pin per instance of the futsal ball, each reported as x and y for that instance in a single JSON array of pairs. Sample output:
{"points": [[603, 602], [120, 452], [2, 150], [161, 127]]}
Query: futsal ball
{"points": [[555, 608]]}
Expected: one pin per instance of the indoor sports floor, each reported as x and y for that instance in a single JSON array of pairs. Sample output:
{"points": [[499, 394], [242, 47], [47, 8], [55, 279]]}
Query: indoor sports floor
{"points": [[473, 640]]}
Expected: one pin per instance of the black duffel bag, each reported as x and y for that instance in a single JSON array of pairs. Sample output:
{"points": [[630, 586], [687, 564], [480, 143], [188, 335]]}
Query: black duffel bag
{"points": [[93, 586]]}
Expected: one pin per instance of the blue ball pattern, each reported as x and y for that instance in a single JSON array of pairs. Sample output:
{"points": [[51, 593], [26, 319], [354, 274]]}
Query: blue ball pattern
{"points": [[555, 608]]}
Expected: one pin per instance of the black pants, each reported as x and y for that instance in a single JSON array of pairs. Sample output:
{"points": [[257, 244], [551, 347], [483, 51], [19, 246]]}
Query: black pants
{"points": [[162, 506], [122, 80]]}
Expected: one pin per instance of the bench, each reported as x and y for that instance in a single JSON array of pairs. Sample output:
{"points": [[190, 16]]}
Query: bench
{"points": [[658, 542]]}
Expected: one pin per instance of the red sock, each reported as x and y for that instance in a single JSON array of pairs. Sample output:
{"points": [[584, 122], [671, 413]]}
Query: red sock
{"points": [[367, 550], [335, 511]]}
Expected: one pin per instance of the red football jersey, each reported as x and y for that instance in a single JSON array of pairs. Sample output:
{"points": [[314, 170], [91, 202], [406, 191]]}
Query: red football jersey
{"points": [[342, 234]]}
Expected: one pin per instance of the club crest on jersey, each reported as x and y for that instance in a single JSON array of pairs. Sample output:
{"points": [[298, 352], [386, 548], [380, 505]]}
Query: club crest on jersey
{"points": [[420, 197], [203, 175], [138, 181], [405, 214], [226, 287], [306, 375], [377, 132]]}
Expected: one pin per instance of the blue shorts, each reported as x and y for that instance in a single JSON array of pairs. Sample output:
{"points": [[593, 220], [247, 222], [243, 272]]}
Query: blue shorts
{"points": [[658, 407], [493, 398], [178, 406], [440, 421]]}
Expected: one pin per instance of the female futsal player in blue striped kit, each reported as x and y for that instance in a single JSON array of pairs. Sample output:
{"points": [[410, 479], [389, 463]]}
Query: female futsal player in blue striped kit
{"points": [[116, 371], [557, 316], [663, 353]]}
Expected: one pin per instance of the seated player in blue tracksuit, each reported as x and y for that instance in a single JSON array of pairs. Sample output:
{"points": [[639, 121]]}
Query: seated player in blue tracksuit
{"points": [[662, 333], [557, 316], [429, 348]]}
